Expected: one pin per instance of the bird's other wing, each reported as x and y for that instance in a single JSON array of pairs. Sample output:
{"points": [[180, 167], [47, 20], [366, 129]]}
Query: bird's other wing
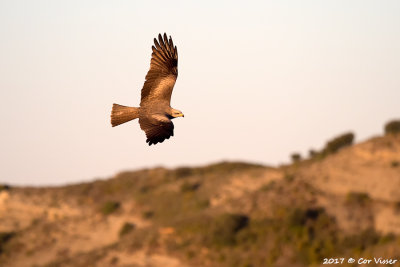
{"points": [[157, 128], [161, 77]]}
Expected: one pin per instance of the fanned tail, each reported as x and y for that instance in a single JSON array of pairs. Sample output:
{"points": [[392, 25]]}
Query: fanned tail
{"points": [[121, 114]]}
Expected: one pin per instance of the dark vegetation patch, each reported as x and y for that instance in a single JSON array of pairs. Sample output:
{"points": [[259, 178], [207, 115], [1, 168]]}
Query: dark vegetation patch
{"points": [[339, 142], [358, 198], [224, 228], [5, 237], [190, 186], [333, 145], [126, 228], [395, 164], [183, 172], [312, 153], [110, 207], [296, 157], [289, 177], [4, 187], [240, 240], [147, 214], [392, 127]]}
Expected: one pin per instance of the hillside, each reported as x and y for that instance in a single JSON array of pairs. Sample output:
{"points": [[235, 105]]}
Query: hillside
{"points": [[345, 204]]}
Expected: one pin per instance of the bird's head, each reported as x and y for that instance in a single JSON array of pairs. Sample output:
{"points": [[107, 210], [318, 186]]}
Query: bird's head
{"points": [[176, 113]]}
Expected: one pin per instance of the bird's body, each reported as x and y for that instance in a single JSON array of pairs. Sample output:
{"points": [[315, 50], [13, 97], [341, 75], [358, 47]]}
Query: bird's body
{"points": [[155, 113]]}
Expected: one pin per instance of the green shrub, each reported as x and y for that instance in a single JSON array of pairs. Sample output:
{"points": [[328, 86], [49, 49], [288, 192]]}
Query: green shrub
{"points": [[147, 214], [4, 238], [311, 231], [296, 157], [183, 172], [358, 198], [312, 153], [225, 227], [126, 228], [110, 207], [339, 142], [392, 127], [189, 187], [299, 217], [4, 187], [362, 241]]}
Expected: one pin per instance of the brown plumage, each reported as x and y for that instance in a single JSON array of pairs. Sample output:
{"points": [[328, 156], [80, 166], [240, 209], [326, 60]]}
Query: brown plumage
{"points": [[155, 113]]}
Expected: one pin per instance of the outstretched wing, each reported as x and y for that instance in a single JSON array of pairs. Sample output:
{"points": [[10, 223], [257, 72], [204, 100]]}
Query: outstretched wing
{"points": [[161, 77], [157, 128]]}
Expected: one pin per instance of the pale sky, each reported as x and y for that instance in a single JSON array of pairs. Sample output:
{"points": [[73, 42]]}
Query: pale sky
{"points": [[258, 80]]}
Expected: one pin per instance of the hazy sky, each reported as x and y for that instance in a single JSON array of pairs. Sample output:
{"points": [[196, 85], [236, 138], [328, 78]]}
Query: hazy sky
{"points": [[258, 80]]}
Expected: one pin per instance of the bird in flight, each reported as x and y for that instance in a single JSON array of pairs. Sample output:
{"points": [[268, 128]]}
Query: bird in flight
{"points": [[155, 113]]}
